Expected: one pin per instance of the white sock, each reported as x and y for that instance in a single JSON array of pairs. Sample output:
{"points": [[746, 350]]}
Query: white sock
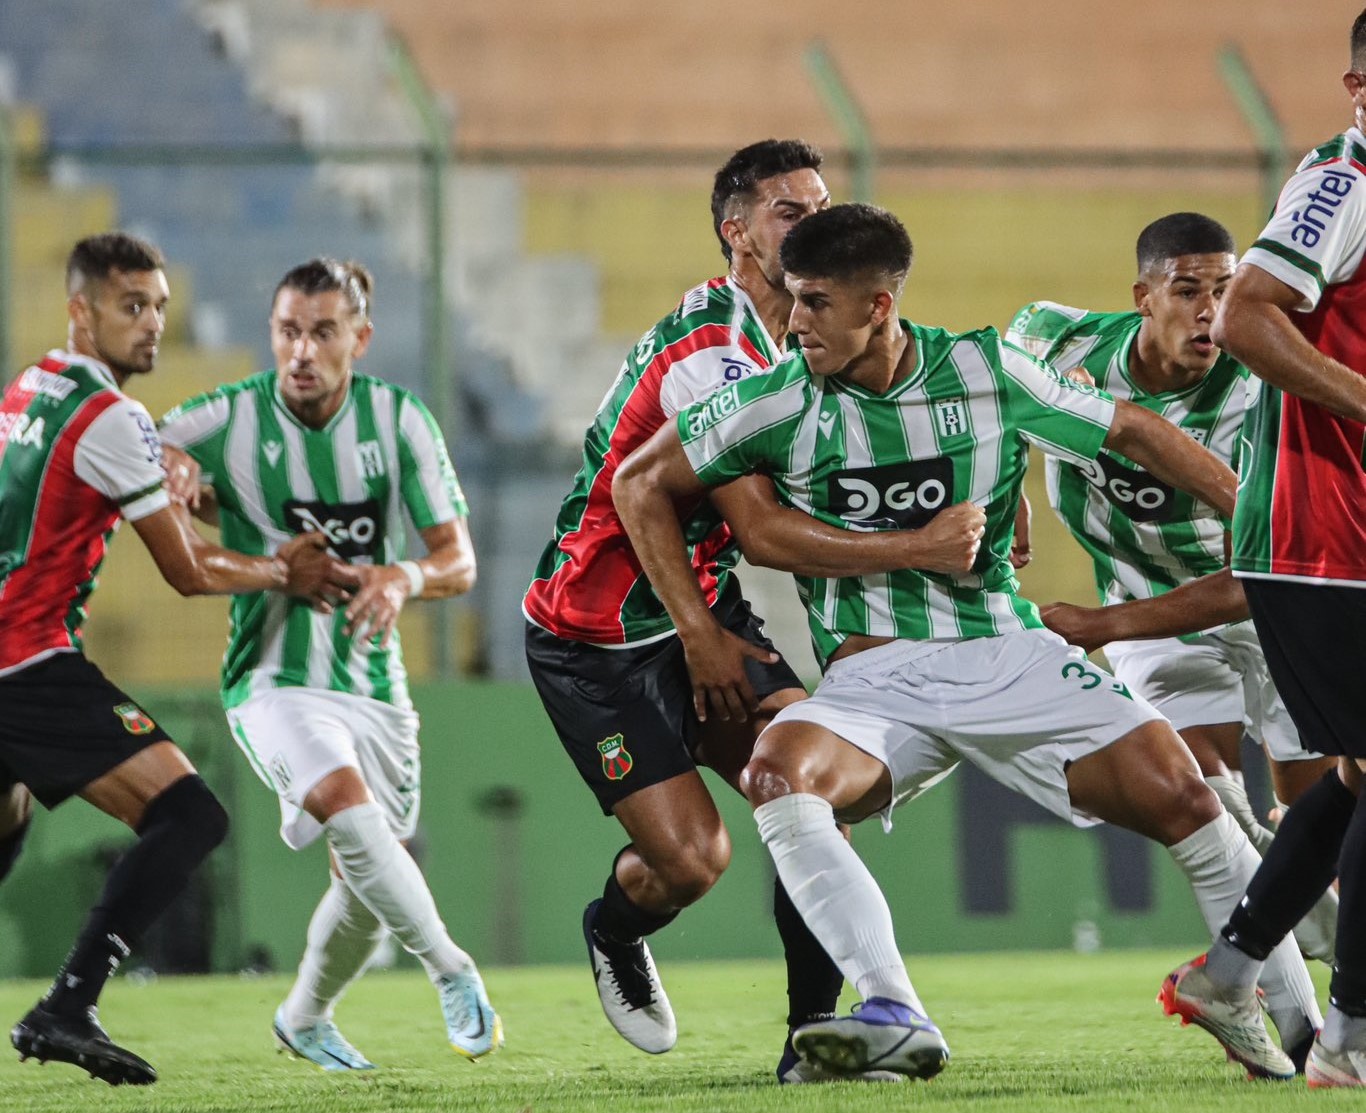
{"points": [[342, 935], [1218, 861], [386, 879], [1233, 796], [836, 895]]}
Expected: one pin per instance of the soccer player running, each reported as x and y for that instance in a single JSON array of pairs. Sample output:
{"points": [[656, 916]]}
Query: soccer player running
{"points": [[1294, 315], [878, 423], [1192, 653], [318, 701], [611, 665], [77, 455]]}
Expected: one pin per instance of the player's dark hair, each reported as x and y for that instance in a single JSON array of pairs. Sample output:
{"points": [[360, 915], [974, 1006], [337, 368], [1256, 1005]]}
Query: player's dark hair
{"points": [[325, 274], [849, 241], [736, 181], [94, 257], [1181, 234], [1359, 42]]}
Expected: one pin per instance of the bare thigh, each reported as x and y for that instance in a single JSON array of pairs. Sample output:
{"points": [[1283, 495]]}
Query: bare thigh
{"points": [[126, 790]]}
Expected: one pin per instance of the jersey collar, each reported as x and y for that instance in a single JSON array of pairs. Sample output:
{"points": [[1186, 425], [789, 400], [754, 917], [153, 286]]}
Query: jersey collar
{"points": [[742, 299], [915, 335], [101, 370], [289, 415]]}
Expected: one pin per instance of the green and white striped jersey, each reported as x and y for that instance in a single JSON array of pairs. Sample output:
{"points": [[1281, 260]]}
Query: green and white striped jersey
{"points": [[1144, 538], [275, 477], [958, 428]]}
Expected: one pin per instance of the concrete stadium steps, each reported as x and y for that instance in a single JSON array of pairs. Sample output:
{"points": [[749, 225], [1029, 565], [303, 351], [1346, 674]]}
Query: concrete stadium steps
{"points": [[715, 74]]}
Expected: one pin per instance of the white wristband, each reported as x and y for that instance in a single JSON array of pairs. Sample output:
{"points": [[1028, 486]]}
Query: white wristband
{"points": [[416, 580]]}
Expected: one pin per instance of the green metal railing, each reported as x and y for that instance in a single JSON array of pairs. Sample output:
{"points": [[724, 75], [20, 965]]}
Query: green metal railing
{"points": [[1255, 103]]}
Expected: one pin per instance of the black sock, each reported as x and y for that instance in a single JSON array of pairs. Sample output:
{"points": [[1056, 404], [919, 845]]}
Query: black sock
{"points": [[813, 980], [1347, 989], [620, 919], [10, 845], [178, 830], [1299, 865]]}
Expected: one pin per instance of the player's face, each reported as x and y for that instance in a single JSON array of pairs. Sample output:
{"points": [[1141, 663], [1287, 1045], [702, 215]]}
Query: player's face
{"points": [[1180, 300], [777, 205], [119, 320], [833, 321], [315, 338]]}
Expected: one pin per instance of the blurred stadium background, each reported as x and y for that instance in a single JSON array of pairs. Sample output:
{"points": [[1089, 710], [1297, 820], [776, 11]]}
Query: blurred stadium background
{"points": [[529, 184]]}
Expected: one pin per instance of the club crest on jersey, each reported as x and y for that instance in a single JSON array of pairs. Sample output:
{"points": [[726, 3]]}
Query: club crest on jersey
{"points": [[896, 496], [951, 416], [1137, 495], [135, 719], [616, 759], [371, 459], [353, 529]]}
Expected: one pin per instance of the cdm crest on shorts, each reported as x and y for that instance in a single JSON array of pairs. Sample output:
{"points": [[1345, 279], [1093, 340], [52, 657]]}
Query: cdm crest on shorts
{"points": [[135, 719], [616, 759]]}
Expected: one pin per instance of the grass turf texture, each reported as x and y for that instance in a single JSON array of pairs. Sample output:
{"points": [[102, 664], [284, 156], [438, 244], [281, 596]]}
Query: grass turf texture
{"points": [[1029, 1032]]}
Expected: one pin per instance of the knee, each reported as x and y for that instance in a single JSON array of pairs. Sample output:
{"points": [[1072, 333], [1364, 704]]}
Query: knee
{"points": [[1190, 804], [193, 811], [766, 778], [695, 867]]}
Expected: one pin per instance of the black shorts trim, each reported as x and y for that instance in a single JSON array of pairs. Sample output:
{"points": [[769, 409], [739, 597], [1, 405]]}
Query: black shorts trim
{"points": [[1314, 638], [64, 725], [625, 716]]}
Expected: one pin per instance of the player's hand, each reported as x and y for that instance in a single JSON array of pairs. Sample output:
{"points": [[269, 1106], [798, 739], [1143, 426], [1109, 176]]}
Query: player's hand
{"points": [[182, 476], [314, 573], [1021, 552], [1079, 375], [716, 664], [374, 611], [950, 542], [1087, 627]]}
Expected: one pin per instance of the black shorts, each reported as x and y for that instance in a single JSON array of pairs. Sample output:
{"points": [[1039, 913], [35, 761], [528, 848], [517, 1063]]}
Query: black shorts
{"points": [[63, 725], [625, 716], [1314, 638]]}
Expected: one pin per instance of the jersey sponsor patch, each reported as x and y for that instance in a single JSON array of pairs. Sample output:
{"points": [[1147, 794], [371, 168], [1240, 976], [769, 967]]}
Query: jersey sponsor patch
{"points": [[1140, 497], [900, 496], [353, 529]]}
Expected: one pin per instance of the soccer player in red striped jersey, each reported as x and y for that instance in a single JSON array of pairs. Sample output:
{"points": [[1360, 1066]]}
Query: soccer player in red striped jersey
{"points": [[77, 455], [1295, 316], [610, 667]]}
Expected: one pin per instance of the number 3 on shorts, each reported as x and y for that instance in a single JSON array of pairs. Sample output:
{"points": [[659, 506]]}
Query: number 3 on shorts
{"points": [[1092, 679]]}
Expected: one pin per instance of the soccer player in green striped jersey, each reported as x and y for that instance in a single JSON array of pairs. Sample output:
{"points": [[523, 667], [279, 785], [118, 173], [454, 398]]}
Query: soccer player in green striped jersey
{"points": [[1194, 653], [879, 424], [318, 700]]}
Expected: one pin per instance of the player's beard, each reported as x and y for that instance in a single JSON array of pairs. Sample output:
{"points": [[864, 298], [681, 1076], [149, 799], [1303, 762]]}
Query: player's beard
{"points": [[127, 368]]}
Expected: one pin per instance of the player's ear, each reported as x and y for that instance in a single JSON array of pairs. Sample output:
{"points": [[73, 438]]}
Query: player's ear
{"points": [[883, 306], [1141, 298], [734, 232], [363, 338]]}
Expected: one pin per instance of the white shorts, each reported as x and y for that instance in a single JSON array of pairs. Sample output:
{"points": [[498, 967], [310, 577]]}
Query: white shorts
{"points": [[294, 737], [1020, 707], [1218, 677]]}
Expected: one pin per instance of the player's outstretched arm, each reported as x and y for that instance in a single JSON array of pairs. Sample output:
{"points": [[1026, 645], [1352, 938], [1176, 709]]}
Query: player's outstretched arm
{"points": [[644, 490], [1253, 325], [194, 566], [447, 569], [775, 536], [1159, 447], [1200, 604]]}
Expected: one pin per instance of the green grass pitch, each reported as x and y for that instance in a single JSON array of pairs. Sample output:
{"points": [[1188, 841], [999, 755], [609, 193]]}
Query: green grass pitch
{"points": [[1029, 1032]]}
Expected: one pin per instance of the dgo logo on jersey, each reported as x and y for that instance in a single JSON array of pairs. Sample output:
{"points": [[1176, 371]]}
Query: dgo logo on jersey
{"points": [[1139, 496], [903, 496], [353, 529]]}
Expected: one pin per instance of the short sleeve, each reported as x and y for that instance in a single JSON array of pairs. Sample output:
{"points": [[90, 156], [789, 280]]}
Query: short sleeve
{"points": [[1317, 235], [1062, 418], [197, 427], [119, 454], [743, 427], [431, 491]]}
